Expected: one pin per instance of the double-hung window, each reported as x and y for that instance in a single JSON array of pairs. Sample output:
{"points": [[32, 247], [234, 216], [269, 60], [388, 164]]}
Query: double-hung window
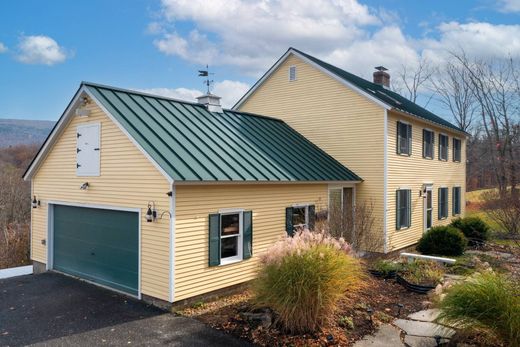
{"points": [[428, 144], [299, 217], [443, 147], [456, 197], [230, 236], [404, 138], [443, 203], [403, 208], [457, 144]]}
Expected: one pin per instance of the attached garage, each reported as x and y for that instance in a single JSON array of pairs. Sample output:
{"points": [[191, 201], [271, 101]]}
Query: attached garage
{"points": [[99, 245]]}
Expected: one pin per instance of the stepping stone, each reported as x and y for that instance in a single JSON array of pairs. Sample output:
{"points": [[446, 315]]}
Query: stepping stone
{"points": [[428, 329], [385, 336], [420, 341], [425, 316]]}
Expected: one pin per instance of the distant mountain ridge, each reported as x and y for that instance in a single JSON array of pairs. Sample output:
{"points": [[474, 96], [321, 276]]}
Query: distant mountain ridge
{"points": [[23, 131]]}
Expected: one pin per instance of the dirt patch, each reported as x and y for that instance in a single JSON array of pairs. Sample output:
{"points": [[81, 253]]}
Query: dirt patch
{"points": [[351, 322]]}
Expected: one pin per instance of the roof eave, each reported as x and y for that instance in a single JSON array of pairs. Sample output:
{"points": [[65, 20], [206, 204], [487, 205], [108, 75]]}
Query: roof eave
{"points": [[460, 131]]}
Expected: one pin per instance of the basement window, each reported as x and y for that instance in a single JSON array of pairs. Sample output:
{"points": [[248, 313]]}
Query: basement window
{"points": [[292, 73]]}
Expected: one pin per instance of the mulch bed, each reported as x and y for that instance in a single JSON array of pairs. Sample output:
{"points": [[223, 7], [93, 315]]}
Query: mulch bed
{"points": [[381, 296]]}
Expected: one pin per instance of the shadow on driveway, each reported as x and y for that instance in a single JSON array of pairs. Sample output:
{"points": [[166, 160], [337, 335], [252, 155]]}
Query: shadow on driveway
{"points": [[53, 309]]}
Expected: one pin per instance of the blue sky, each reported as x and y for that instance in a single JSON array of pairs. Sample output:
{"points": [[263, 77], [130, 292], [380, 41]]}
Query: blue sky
{"points": [[48, 47]]}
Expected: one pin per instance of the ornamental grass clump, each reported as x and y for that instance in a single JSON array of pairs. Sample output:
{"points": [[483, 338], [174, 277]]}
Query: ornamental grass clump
{"points": [[486, 302], [302, 278]]}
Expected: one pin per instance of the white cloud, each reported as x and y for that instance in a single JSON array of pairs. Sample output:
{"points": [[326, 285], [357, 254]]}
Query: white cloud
{"points": [[479, 39], [229, 91], [508, 6], [250, 34], [40, 49], [3, 48]]}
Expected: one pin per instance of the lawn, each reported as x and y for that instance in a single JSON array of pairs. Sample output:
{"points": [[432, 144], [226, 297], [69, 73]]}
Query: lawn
{"points": [[474, 207]]}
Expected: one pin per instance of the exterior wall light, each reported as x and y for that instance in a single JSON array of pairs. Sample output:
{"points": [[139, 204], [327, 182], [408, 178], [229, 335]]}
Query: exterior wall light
{"points": [[151, 213], [35, 203], [84, 186]]}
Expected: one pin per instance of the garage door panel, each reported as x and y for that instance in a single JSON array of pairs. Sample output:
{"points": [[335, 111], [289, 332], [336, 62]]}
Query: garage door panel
{"points": [[98, 245]]}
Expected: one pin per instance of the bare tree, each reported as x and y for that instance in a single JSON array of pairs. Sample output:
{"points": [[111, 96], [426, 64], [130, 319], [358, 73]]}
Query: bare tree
{"points": [[452, 84], [411, 80], [494, 86]]}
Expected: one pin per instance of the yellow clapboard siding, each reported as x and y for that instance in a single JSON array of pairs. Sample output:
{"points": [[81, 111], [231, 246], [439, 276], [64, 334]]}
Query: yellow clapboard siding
{"points": [[193, 276], [340, 121], [128, 179], [412, 172]]}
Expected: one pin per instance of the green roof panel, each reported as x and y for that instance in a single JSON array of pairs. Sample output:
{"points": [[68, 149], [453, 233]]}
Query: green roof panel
{"points": [[193, 144]]}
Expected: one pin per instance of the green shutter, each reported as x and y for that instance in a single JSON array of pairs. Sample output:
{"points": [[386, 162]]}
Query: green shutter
{"points": [[248, 235], [409, 207], [397, 210], [409, 138], [424, 143], [288, 221], [398, 149], [214, 239], [312, 217]]}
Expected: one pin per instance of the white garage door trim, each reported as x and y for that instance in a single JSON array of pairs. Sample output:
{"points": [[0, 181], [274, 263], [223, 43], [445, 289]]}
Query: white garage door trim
{"points": [[50, 237]]}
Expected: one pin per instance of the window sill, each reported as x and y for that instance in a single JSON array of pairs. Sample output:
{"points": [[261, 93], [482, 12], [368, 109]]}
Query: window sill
{"points": [[403, 228], [428, 158], [228, 261], [444, 160], [404, 154], [443, 218]]}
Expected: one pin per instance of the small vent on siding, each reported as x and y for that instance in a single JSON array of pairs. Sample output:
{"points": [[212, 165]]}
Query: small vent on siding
{"points": [[292, 73]]}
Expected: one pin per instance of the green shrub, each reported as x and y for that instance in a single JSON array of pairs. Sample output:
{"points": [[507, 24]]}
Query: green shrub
{"points": [[386, 267], [474, 228], [302, 278], [488, 302], [423, 272], [442, 240]]}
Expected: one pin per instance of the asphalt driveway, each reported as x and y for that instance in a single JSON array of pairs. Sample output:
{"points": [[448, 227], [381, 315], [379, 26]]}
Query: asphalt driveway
{"points": [[55, 310]]}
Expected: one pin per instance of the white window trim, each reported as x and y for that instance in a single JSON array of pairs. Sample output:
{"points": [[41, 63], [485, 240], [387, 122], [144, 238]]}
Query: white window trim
{"points": [[240, 254], [306, 206], [295, 74]]}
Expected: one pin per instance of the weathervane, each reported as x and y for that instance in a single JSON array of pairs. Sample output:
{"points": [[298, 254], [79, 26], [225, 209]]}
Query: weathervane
{"points": [[206, 73]]}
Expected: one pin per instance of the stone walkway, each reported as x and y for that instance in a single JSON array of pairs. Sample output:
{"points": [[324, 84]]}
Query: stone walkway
{"points": [[418, 330]]}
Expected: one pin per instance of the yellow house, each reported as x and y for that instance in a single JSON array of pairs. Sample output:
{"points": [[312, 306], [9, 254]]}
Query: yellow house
{"points": [[412, 161], [164, 199]]}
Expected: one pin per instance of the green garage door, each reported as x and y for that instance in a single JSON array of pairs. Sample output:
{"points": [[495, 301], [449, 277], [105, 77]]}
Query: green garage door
{"points": [[98, 245]]}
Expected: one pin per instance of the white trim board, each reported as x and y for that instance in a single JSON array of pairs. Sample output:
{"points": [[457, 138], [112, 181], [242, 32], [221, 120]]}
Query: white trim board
{"points": [[50, 238], [173, 208], [65, 120], [16, 271], [385, 182]]}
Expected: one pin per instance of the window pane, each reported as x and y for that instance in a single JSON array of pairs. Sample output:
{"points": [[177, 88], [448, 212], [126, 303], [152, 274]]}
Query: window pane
{"points": [[229, 247], [403, 209], [230, 224], [298, 216]]}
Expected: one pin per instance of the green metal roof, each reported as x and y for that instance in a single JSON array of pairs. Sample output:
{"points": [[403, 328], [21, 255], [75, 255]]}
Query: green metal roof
{"points": [[191, 143], [381, 93]]}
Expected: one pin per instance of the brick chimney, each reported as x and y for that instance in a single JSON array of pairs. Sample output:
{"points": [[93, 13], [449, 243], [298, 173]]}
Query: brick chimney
{"points": [[381, 76], [212, 102]]}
